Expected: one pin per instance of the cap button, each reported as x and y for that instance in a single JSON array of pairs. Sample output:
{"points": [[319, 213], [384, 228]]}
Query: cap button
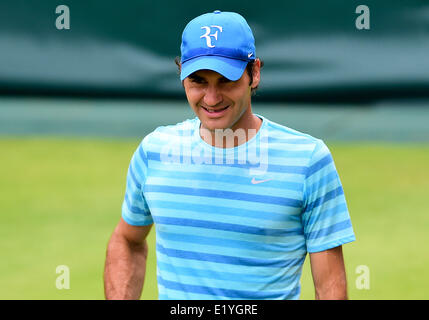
{"points": [[216, 11]]}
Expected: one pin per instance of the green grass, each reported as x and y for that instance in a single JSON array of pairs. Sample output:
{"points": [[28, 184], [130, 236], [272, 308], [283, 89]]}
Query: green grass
{"points": [[61, 198]]}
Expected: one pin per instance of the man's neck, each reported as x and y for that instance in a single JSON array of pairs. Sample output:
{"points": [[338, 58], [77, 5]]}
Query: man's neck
{"points": [[240, 132]]}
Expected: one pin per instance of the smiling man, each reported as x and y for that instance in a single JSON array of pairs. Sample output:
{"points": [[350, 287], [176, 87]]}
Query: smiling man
{"points": [[237, 200]]}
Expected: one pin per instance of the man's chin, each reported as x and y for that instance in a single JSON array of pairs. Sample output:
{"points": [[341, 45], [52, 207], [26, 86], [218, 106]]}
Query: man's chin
{"points": [[214, 124]]}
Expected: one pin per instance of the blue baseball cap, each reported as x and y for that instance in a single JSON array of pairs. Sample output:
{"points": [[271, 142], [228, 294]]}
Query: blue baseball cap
{"points": [[218, 41]]}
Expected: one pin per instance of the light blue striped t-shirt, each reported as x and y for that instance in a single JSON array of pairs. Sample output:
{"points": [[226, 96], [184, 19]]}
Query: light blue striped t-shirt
{"points": [[235, 223]]}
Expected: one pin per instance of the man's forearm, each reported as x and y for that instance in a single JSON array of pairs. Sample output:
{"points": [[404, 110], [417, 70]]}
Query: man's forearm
{"points": [[125, 269], [336, 290], [329, 274]]}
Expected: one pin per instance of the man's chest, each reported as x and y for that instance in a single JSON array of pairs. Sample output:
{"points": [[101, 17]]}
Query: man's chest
{"points": [[224, 198]]}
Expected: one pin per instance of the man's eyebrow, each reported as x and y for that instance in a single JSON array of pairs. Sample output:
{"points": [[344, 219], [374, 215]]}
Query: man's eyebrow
{"points": [[195, 76]]}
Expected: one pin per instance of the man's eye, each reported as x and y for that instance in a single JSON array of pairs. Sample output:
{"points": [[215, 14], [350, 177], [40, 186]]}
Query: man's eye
{"points": [[197, 80]]}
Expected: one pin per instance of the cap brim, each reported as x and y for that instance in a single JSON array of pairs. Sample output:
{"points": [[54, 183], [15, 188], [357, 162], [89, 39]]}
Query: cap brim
{"points": [[231, 69]]}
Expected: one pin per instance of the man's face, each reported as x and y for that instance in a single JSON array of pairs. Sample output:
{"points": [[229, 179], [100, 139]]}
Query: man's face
{"points": [[219, 103]]}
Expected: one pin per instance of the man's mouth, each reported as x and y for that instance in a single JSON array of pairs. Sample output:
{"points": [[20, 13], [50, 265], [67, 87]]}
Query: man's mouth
{"points": [[216, 111]]}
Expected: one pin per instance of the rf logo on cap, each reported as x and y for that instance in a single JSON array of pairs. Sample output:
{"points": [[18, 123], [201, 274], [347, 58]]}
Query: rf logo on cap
{"points": [[207, 35], [221, 42]]}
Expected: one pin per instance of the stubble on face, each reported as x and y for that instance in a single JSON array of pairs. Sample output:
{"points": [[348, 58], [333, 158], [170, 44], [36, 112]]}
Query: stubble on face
{"points": [[209, 93]]}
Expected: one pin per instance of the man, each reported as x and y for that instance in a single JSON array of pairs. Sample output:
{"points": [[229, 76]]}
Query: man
{"points": [[234, 219]]}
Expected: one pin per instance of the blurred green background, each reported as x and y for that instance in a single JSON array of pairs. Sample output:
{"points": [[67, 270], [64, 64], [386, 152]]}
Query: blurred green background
{"points": [[74, 105], [312, 49]]}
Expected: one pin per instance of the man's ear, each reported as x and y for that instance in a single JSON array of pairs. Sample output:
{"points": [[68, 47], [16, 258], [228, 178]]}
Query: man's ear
{"points": [[178, 63], [256, 73]]}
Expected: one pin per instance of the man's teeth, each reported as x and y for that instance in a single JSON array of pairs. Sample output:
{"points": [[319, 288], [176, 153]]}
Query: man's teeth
{"points": [[213, 110]]}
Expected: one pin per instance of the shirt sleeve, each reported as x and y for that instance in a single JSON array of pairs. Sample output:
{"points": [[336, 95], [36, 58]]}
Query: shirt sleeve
{"points": [[135, 210], [325, 217]]}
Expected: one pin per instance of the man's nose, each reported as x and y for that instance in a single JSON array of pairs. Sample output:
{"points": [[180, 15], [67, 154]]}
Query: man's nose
{"points": [[212, 96]]}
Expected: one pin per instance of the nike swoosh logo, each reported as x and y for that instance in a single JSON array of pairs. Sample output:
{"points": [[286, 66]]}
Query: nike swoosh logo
{"points": [[254, 181], [250, 54]]}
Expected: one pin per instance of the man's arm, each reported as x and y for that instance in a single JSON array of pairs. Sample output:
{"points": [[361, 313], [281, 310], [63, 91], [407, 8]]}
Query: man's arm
{"points": [[126, 262], [329, 275]]}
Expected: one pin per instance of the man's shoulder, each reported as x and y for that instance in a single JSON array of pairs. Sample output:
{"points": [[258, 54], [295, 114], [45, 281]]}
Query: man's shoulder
{"points": [[290, 143], [282, 134]]}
